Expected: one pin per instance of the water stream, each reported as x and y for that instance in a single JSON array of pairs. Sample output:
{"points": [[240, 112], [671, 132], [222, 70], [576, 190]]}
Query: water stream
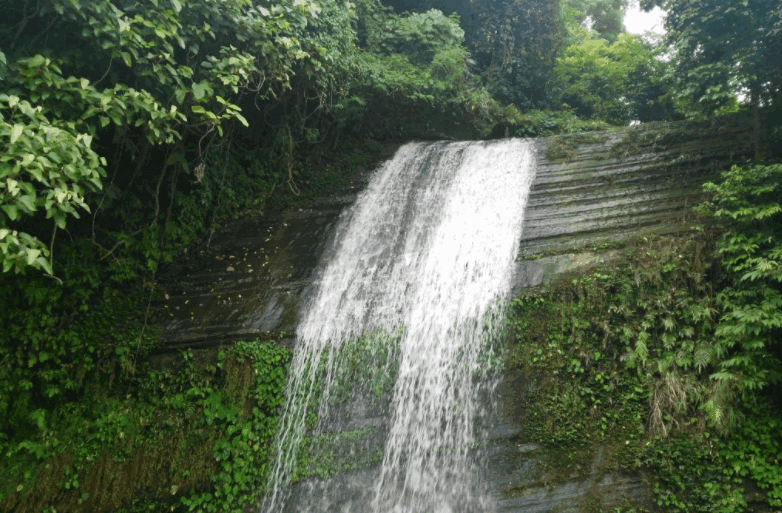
{"points": [[426, 256]]}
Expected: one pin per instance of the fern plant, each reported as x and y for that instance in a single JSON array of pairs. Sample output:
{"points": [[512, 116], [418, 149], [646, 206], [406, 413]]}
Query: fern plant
{"points": [[747, 342]]}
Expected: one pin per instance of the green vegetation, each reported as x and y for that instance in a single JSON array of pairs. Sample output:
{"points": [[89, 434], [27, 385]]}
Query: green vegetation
{"points": [[670, 360], [544, 123], [130, 131], [366, 365], [709, 71], [193, 434], [591, 71], [719, 52], [513, 43], [605, 16]]}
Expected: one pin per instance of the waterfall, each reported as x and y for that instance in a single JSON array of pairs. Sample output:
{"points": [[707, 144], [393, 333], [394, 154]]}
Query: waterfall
{"points": [[425, 256]]}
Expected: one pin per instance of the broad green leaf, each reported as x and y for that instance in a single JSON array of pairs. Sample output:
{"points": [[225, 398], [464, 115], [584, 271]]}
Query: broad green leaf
{"points": [[32, 254], [16, 132], [44, 264], [36, 60], [11, 211], [36, 172], [241, 119], [199, 90]]}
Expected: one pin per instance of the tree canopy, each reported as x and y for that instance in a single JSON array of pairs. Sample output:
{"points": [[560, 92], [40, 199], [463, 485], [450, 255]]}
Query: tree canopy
{"points": [[617, 82], [91, 87], [721, 50], [81, 78], [605, 17], [110, 92], [513, 43]]}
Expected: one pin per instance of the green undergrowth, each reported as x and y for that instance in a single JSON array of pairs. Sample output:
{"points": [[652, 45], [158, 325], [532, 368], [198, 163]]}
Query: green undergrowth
{"points": [[75, 345], [363, 369], [192, 435], [624, 361], [545, 123]]}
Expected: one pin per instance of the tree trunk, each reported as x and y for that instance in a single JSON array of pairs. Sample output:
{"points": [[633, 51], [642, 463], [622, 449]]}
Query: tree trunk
{"points": [[757, 126]]}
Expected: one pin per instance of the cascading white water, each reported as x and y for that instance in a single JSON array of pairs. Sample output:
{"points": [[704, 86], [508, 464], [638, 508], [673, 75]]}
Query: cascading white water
{"points": [[428, 248]]}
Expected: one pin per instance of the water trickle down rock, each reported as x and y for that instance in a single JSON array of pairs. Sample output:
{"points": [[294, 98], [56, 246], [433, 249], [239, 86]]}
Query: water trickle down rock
{"points": [[429, 248], [610, 186]]}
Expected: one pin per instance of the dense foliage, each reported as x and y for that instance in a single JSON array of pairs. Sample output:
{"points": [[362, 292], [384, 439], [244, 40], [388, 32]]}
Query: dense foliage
{"points": [[132, 130], [145, 115], [412, 76], [618, 82], [722, 49], [513, 43], [195, 436], [633, 358], [605, 17], [748, 340]]}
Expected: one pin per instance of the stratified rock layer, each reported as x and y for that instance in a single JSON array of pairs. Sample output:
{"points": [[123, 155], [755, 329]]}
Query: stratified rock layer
{"points": [[602, 188], [591, 192]]}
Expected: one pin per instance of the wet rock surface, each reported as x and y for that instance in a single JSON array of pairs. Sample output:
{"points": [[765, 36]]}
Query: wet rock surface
{"points": [[249, 281], [250, 284], [604, 188], [614, 186], [608, 187]]}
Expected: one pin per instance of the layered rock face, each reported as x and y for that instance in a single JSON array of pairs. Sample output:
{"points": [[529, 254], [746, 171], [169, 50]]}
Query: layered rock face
{"points": [[591, 192], [594, 191], [248, 281]]}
